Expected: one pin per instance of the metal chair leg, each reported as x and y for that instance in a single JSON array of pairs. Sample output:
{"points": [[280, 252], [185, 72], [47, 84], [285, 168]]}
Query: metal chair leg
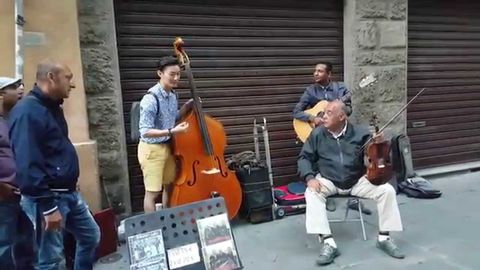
{"points": [[346, 213], [361, 220]]}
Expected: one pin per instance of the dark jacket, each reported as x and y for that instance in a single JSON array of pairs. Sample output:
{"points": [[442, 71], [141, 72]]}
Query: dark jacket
{"points": [[338, 160], [45, 157], [316, 93], [7, 161]]}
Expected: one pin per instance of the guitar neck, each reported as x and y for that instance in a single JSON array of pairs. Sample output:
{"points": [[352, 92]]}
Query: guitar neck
{"points": [[349, 94]]}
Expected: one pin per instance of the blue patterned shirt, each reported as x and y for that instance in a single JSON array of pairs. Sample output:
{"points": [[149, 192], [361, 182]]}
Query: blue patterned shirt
{"points": [[167, 113]]}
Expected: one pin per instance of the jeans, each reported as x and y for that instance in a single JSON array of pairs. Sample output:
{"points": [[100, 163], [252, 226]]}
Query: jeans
{"points": [[16, 235], [77, 220]]}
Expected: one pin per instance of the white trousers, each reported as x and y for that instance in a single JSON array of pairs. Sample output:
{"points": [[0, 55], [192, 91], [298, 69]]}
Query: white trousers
{"points": [[384, 195]]}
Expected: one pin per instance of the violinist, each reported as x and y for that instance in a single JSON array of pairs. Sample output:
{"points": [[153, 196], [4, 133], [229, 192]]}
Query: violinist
{"points": [[335, 149], [158, 114]]}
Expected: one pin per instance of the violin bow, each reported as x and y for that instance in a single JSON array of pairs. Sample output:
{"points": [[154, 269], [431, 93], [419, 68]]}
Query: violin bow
{"points": [[393, 118]]}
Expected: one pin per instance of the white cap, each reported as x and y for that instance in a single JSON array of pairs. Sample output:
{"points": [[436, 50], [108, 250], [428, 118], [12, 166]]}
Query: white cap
{"points": [[6, 81]]}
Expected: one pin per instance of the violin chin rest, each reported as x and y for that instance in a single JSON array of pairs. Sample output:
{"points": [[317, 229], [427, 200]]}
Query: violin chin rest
{"points": [[211, 171]]}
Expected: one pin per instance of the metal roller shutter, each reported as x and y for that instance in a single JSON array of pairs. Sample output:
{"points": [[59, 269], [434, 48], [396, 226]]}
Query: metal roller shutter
{"points": [[250, 59], [444, 56]]}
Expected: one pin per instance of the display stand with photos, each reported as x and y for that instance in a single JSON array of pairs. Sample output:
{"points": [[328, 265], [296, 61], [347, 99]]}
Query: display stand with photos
{"points": [[196, 236]]}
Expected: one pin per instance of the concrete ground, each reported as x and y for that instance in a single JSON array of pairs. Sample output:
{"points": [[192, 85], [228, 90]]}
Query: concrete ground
{"points": [[439, 234]]}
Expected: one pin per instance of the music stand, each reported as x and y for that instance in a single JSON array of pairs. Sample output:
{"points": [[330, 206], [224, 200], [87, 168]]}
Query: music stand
{"points": [[178, 225]]}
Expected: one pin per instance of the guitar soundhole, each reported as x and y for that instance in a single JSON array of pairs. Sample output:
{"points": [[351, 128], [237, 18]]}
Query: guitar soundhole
{"points": [[320, 114]]}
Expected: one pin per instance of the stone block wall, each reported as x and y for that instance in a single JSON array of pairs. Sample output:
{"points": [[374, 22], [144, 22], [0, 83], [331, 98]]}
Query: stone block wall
{"points": [[104, 98], [375, 34]]}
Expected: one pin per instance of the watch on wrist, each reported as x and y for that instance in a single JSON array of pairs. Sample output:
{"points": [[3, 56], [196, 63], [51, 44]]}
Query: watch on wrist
{"points": [[170, 132]]}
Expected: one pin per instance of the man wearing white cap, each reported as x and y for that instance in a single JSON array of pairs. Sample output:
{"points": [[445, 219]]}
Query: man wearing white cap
{"points": [[12, 90], [16, 229]]}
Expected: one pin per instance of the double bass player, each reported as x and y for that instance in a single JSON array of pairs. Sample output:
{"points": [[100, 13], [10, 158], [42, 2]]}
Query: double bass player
{"points": [[158, 115]]}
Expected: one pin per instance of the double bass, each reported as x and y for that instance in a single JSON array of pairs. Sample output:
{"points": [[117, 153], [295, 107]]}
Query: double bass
{"points": [[200, 151]]}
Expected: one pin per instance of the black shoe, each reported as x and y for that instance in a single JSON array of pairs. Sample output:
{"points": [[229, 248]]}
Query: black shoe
{"points": [[331, 206], [389, 247], [327, 254], [353, 204]]}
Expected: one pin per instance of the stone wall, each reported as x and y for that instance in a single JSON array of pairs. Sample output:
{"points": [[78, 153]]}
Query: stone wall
{"points": [[375, 33], [104, 98]]}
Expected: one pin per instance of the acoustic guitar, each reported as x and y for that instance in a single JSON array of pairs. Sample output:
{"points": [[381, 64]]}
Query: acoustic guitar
{"points": [[303, 129]]}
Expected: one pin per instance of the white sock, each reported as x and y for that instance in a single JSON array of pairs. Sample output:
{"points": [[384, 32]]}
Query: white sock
{"points": [[330, 241], [382, 237], [320, 239]]}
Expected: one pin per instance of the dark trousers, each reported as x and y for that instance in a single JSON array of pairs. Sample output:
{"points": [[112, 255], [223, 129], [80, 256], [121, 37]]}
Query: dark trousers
{"points": [[16, 238]]}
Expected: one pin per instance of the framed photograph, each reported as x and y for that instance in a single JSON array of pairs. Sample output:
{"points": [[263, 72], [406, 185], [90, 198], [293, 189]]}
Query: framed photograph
{"points": [[221, 256], [218, 246], [147, 251], [214, 230]]}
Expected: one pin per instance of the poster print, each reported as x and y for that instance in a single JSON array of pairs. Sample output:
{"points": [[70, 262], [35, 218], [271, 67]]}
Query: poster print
{"points": [[147, 251]]}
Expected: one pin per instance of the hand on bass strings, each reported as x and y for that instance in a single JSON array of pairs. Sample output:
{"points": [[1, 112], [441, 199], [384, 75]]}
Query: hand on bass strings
{"points": [[180, 128], [189, 104]]}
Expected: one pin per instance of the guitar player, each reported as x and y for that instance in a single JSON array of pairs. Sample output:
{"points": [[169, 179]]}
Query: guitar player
{"points": [[324, 88]]}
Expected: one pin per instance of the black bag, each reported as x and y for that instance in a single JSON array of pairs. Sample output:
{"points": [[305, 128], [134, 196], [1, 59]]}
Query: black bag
{"points": [[135, 118], [419, 187], [407, 180]]}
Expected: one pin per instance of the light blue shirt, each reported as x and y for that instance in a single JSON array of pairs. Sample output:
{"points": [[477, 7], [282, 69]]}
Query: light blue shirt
{"points": [[167, 113]]}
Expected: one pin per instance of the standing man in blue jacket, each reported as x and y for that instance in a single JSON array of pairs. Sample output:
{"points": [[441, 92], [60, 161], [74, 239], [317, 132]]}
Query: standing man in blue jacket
{"points": [[48, 169], [16, 232], [325, 89]]}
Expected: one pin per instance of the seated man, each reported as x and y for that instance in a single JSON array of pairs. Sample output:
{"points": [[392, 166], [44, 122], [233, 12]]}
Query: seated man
{"points": [[335, 150]]}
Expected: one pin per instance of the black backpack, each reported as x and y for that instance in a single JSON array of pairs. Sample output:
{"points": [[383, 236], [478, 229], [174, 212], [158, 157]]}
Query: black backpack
{"points": [[407, 180], [135, 118]]}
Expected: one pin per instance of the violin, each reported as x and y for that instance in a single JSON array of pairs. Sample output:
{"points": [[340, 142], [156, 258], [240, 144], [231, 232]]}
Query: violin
{"points": [[200, 152], [379, 162], [377, 153]]}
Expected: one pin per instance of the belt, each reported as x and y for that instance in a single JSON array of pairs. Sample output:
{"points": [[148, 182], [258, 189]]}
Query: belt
{"points": [[61, 190]]}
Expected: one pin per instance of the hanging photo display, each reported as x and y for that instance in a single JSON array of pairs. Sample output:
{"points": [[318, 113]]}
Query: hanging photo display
{"points": [[147, 251], [218, 248]]}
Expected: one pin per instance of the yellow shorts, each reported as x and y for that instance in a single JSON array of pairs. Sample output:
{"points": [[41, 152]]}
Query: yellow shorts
{"points": [[158, 165]]}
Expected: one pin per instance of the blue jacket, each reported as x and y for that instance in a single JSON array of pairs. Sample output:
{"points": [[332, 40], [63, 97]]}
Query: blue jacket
{"points": [[316, 93], [45, 157]]}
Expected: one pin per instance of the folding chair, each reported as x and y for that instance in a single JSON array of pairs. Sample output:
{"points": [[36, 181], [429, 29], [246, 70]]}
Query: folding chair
{"points": [[346, 219]]}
